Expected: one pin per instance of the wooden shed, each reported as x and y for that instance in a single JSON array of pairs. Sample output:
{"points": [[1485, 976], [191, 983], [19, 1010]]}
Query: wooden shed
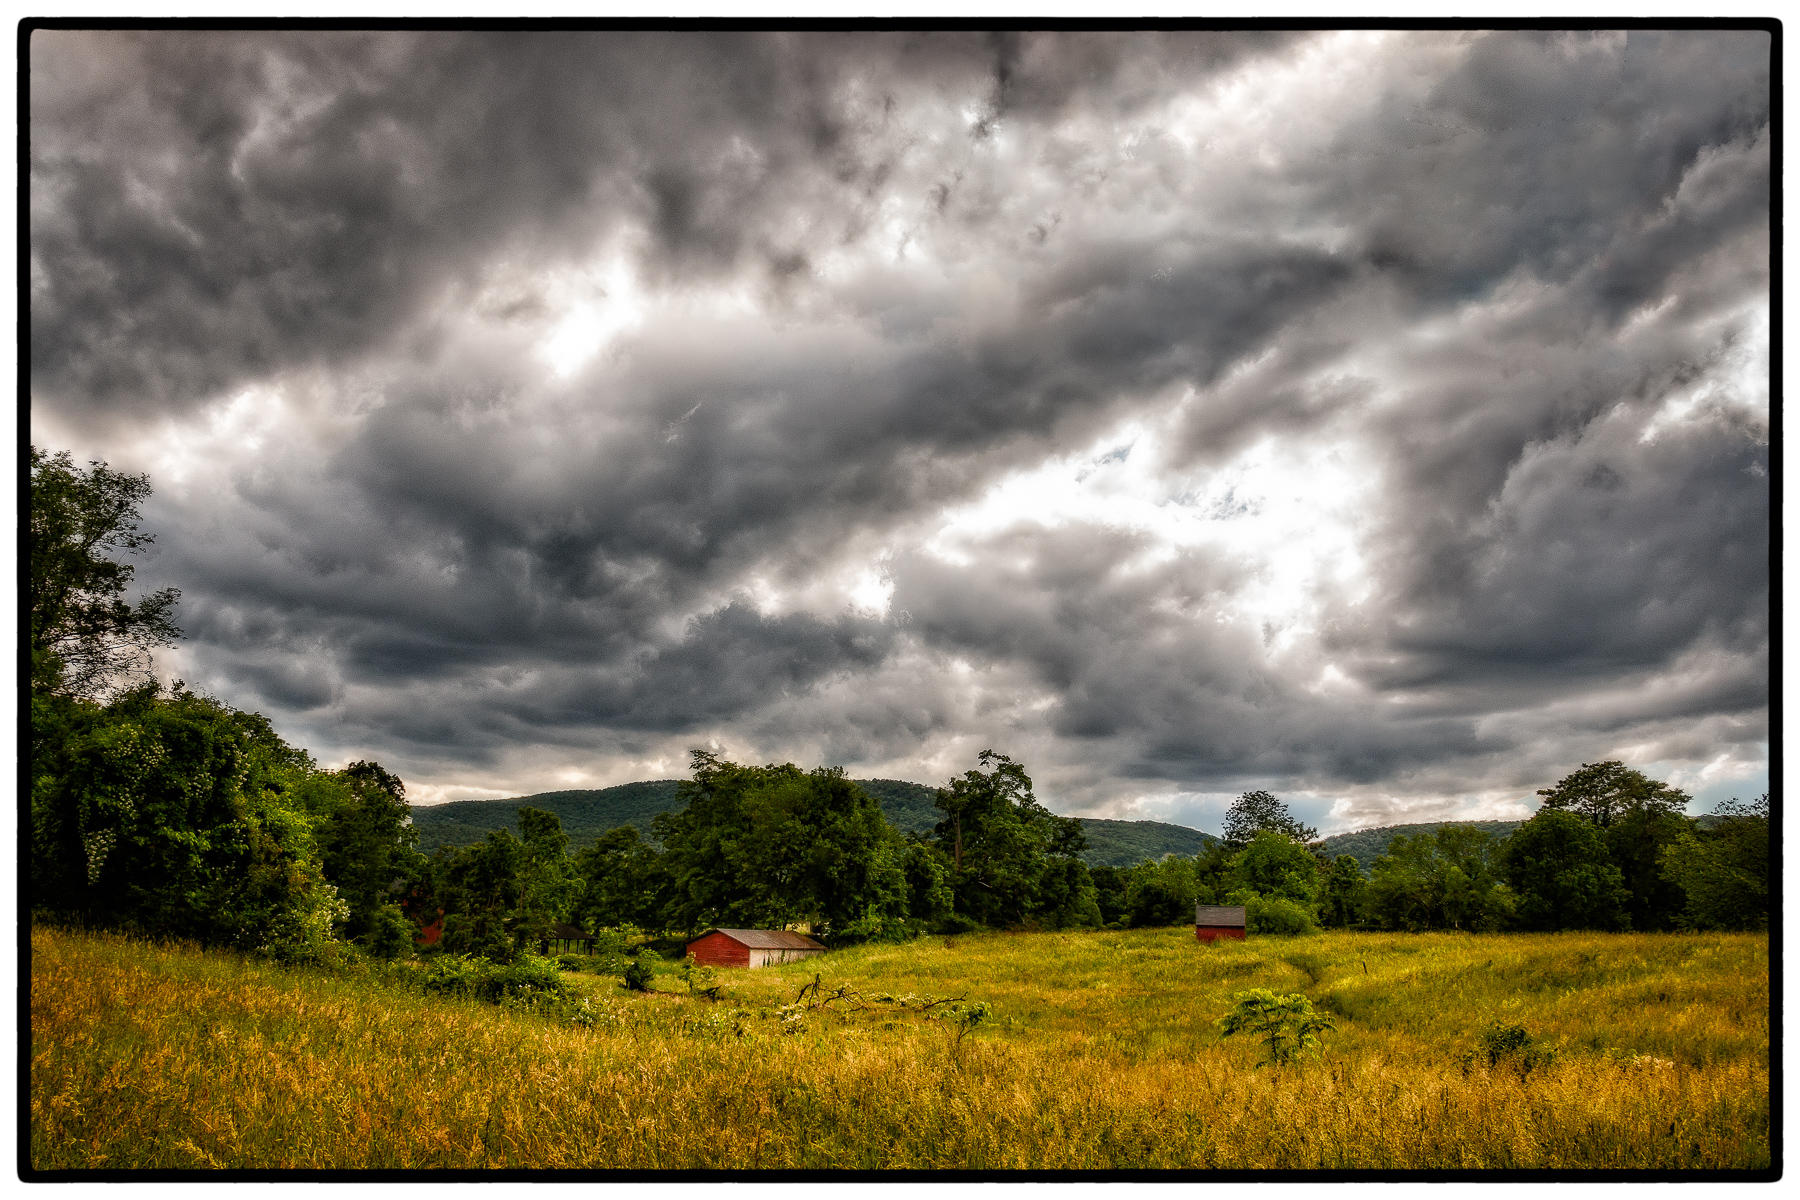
{"points": [[1215, 921], [751, 947]]}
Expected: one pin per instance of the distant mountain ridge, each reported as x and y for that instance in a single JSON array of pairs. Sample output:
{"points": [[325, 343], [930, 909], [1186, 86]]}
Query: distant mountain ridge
{"points": [[911, 807], [1367, 845]]}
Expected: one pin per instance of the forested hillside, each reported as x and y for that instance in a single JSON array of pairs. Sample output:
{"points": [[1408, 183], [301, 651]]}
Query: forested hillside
{"points": [[1367, 845], [910, 807]]}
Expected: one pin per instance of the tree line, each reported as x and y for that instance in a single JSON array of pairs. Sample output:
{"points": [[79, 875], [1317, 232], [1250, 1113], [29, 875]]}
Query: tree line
{"points": [[156, 808]]}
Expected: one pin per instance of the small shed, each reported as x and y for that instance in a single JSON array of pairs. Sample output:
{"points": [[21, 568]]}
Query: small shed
{"points": [[566, 939], [1215, 921], [751, 947]]}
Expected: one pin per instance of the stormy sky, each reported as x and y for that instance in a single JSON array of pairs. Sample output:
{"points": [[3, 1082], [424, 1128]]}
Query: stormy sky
{"points": [[1380, 418]]}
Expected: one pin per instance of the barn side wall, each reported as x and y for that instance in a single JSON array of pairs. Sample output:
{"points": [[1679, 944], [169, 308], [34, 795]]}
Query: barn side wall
{"points": [[1212, 933], [717, 950], [777, 956]]}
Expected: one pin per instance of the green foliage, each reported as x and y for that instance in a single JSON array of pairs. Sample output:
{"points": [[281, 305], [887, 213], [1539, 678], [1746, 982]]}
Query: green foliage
{"points": [[178, 816], [1345, 894], [700, 980], [1161, 893], [1259, 812], [1287, 1025], [1449, 879], [1605, 792], [766, 847], [1723, 872], [1004, 849], [1509, 1046], [1367, 845], [365, 841], [1274, 864], [640, 970], [620, 880], [86, 639], [1273, 914], [1557, 866]]}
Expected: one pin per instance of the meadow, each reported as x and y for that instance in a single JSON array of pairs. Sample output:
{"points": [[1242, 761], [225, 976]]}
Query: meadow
{"points": [[1099, 1052]]}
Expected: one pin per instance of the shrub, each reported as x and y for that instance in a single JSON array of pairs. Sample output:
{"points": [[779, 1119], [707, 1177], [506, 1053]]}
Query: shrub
{"points": [[1509, 1046], [1288, 1024], [1276, 914], [638, 971]]}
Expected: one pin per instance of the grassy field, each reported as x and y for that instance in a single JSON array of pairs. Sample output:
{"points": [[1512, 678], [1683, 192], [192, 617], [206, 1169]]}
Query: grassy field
{"points": [[1101, 1053]]}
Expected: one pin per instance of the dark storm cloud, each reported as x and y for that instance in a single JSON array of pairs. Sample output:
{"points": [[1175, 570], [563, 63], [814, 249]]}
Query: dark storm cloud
{"points": [[1516, 277], [211, 208]]}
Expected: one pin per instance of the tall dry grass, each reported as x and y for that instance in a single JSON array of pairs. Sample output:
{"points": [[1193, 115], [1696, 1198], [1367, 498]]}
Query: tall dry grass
{"points": [[1102, 1055]]}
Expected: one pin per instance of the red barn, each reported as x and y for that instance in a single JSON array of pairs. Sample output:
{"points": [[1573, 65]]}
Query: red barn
{"points": [[1215, 921], [751, 947]]}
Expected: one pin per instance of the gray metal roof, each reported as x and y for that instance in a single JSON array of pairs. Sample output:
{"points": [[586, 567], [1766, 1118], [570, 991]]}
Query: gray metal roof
{"points": [[771, 939], [1219, 914]]}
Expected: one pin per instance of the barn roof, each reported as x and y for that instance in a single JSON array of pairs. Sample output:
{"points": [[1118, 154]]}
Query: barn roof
{"points": [[771, 939], [1229, 915], [564, 932]]}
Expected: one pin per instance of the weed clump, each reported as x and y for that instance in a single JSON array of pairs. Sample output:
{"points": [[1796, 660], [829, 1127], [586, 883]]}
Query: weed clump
{"points": [[1509, 1046]]}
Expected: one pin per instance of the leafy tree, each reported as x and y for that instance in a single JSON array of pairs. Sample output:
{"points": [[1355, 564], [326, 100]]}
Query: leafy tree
{"points": [[1635, 841], [179, 816], [620, 881], [1345, 893], [366, 844], [1723, 872], [548, 885], [1557, 866], [86, 639], [1605, 792], [1446, 879], [929, 898], [1255, 812], [1109, 894], [1274, 864], [1162, 892], [777, 846], [481, 893], [1003, 844]]}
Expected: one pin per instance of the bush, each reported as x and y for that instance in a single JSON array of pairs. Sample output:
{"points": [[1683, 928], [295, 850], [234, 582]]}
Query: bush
{"points": [[1276, 914], [638, 971], [1288, 1024], [1502, 1045]]}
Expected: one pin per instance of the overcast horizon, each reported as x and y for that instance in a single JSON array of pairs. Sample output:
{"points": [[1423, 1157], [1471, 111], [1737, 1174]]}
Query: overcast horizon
{"points": [[1378, 418]]}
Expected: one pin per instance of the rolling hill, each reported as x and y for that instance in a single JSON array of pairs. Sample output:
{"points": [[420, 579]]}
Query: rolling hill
{"points": [[1367, 845], [588, 813]]}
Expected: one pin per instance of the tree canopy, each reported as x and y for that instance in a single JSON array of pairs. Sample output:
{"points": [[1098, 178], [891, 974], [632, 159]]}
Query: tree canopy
{"points": [[1254, 812], [86, 638]]}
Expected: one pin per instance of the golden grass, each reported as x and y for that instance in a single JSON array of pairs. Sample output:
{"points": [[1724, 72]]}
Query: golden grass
{"points": [[1102, 1055]]}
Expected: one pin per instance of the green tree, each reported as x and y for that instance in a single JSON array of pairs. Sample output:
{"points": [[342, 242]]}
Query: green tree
{"points": [[1636, 841], [1003, 845], [775, 845], [1345, 895], [480, 895], [86, 639], [548, 884], [1605, 792], [620, 881], [181, 817], [1723, 872], [1275, 865], [1162, 892], [1446, 879], [367, 845], [1557, 867], [1255, 812]]}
